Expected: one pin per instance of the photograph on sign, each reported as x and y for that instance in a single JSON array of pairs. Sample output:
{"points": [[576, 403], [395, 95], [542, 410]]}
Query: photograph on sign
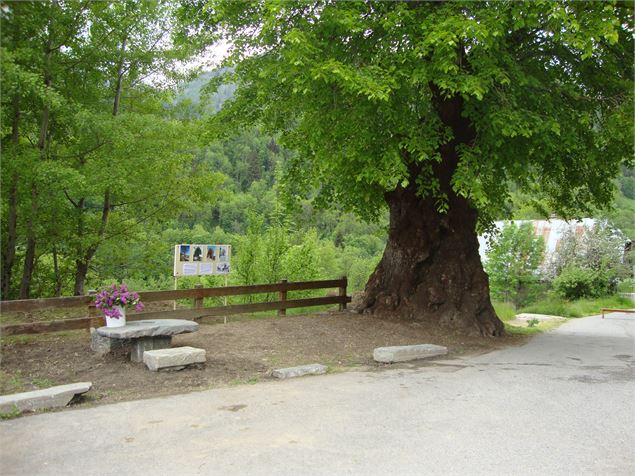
{"points": [[222, 268], [199, 259]]}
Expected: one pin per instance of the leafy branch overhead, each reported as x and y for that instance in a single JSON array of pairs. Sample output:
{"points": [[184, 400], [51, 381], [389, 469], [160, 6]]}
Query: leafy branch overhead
{"points": [[547, 87]]}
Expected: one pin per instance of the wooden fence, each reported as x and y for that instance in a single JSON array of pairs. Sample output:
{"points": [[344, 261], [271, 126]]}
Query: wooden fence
{"points": [[605, 310], [196, 312]]}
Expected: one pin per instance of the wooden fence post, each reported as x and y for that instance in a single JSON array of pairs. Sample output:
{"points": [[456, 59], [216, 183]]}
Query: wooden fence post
{"points": [[342, 292], [92, 310], [198, 300], [282, 296]]}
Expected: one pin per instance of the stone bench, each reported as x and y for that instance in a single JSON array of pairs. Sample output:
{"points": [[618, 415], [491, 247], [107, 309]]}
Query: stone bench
{"points": [[292, 372], [405, 353], [144, 335], [173, 359], [52, 397]]}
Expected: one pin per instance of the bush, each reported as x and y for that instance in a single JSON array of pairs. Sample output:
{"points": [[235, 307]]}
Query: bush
{"points": [[576, 283], [626, 286]]}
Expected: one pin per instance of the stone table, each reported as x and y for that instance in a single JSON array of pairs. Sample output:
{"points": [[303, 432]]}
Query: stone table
{"points": [[148, 334]]}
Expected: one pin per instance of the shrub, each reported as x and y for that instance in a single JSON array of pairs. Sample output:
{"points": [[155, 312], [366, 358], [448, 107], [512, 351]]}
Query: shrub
{"points": [[575, 283]]}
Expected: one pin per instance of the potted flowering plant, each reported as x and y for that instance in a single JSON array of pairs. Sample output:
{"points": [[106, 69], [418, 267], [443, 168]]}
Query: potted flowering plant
{"points": [[113, 301]]}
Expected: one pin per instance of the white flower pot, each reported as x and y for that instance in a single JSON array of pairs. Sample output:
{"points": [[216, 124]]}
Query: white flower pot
{"points": [[117, 322]]}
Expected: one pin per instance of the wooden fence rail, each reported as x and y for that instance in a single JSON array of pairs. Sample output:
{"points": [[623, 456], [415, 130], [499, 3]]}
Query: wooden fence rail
{"points": [[605, 310], [197, 312]]}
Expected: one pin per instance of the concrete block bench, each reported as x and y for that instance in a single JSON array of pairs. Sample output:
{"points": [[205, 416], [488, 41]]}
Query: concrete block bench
{"points": [[52, 397], [148, 334], [405, 353], [173, 359], [292, 372]]}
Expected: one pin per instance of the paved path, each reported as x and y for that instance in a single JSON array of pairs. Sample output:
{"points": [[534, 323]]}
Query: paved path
{"points": [[562, 404]]}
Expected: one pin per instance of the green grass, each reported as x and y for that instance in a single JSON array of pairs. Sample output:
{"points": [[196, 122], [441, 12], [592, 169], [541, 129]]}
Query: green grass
{"points": [[41, 382], [626, 286], [16, 412], [245, 381], [536, 329], [582, 307], [504, 310]]}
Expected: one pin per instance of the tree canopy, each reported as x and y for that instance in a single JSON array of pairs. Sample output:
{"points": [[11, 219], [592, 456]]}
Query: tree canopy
{"points": [[546, 86]]}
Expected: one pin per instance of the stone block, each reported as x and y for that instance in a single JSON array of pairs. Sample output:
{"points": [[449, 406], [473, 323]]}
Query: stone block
{"points": [[173, 358], [143, 344], [291, 372], [52, 397], [148, 328], [404, 353], [104, 345]]}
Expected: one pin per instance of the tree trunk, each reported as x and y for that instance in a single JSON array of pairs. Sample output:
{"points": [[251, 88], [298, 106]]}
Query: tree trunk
{"points": [[82, 264], [58, 275], [431, 269], [81, 271], [8, 246], [120, 75], [29, 256]]}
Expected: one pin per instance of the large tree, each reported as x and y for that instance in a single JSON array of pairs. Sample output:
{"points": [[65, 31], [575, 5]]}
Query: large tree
{"points": [[92, 150], [432, 109]]}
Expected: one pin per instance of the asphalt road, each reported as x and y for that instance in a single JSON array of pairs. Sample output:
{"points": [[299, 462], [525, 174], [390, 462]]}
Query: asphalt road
{"points": [[562, 404]]}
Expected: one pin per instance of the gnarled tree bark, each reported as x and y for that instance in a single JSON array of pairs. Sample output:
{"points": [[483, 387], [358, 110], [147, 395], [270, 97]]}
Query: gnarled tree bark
{"points": [[431, 269]]}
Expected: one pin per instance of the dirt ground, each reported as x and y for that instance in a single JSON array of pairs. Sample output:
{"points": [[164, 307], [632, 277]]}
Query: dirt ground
{"points": [[242, 351]]}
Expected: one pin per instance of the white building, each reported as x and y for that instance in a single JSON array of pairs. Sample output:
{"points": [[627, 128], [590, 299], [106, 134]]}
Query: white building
{"points": [[551, 230]]}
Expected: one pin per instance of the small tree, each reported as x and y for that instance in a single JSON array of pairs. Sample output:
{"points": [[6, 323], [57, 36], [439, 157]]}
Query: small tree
{"points": [[589, 264], [512, 264]]}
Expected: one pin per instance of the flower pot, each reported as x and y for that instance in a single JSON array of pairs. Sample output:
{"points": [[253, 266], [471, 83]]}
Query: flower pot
{"points": [[117, 321]]}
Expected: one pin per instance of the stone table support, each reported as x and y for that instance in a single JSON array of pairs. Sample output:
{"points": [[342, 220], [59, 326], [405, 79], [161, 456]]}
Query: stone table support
{"points": [[147, 334]]}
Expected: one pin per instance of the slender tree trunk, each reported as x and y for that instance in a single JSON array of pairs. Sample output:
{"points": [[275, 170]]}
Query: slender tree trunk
{"points": [[29, 256], [431, 269], [81, 271], [82, 264], [58, 276], [119, 80], [8, 245]]}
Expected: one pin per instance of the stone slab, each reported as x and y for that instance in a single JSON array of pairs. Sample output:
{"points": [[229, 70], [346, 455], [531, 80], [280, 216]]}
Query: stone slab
{"points": [[405, 353], [149, 328], [291, 372], [104, 345], [52, 397], [175, 357], [525, 316], [144, 344]]}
